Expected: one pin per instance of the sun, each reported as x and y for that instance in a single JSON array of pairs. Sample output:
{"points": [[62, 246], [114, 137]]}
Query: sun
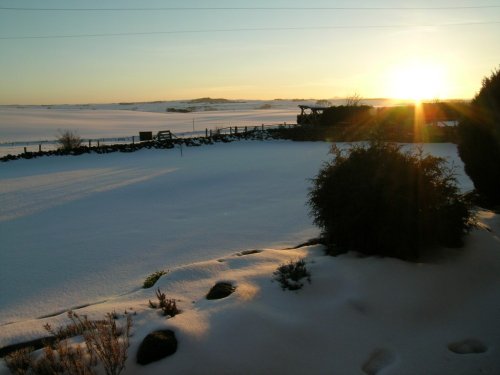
{"points": [[417, 81]]}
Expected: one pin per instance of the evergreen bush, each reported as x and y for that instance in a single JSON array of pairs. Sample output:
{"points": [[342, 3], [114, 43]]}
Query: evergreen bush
{"points": [[378, 200], [479, 141], [290, 274], [153, 278]]}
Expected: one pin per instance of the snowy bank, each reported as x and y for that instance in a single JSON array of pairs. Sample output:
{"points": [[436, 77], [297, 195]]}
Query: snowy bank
{"points": [[88, 229]]}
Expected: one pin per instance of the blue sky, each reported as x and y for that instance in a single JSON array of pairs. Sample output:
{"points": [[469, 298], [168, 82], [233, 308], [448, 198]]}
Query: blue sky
{"points": [[262, 54]]}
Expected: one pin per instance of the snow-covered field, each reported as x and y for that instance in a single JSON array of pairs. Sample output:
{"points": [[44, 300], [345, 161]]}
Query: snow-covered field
{"points": [[21, 128], [30, 126], [91, 227], [87, 230]]}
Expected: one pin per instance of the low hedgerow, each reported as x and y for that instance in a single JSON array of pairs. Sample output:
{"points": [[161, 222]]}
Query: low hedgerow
{"points": [[378, 200]]}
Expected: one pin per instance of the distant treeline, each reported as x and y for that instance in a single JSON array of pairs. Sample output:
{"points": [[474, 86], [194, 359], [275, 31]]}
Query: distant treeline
{"points": [[397, 123]]}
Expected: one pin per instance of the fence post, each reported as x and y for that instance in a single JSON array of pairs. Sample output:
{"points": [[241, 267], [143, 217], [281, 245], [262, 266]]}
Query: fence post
{"points": [[230, 130], [40, 147], [235, 130], [133, 139], [90, 143], [262, 127], [246, 129], [97, 143], [25, 151], [206, 133]]}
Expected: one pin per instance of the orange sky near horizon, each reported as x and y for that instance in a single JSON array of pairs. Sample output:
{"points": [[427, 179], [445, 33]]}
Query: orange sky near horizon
{"points": [[79, 53]]}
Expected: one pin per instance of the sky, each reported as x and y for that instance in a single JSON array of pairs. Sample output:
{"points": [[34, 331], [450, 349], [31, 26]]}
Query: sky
{"points": [[246, 50]]}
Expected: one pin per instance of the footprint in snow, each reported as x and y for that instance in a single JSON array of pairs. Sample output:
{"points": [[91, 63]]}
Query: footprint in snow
{"points": [[379, 359], [467, 346]]}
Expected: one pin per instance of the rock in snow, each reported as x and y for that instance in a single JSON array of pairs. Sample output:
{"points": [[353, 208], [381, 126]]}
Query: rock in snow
{"points": [[157, 345]]}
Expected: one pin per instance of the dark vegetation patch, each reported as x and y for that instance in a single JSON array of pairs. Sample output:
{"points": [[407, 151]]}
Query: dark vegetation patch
{"points": [[248, 252], [180, 110], [153, 278], [479, 142], [355, 122], [290, 274], [378, 200], [311, 242]]}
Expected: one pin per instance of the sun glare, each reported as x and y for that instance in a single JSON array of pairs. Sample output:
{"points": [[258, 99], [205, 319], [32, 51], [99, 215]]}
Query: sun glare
{"points": [[418, 81]]}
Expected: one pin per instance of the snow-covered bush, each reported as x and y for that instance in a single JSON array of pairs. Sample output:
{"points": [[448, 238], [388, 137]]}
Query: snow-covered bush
{"points": [[479, 140], [378, 200]]}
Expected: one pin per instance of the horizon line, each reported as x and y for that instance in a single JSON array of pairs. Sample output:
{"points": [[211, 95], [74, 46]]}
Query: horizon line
{"points": [[425, 100]]}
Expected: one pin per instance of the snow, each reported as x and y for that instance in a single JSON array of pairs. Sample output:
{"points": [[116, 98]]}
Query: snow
{"points": [[122, 216], [43, 124], [30, 126], [88, 230]]}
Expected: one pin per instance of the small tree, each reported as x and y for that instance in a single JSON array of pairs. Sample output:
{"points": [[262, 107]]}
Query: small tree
{"points": [[354, 100], [380, 201], [68, 140], [479, 141]]}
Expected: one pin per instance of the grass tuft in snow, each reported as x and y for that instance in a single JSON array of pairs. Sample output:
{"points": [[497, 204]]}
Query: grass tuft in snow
{"points": [[153, 278], [168, 306], [290, 274]]}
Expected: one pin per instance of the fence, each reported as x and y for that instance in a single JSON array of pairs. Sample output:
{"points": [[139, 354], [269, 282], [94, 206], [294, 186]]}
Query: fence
{"points": [[18, 147]]}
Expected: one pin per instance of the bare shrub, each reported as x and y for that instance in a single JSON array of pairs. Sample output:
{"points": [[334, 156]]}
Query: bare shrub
{"points": [[65, 359], [354, 100], [104, 343], [20, 361], [102, 339], [167, 305], [68, 140]]}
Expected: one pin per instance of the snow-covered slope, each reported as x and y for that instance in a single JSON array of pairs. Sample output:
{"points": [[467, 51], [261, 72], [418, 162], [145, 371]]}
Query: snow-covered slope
{"points": [[88, 229], [76, 230]]}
